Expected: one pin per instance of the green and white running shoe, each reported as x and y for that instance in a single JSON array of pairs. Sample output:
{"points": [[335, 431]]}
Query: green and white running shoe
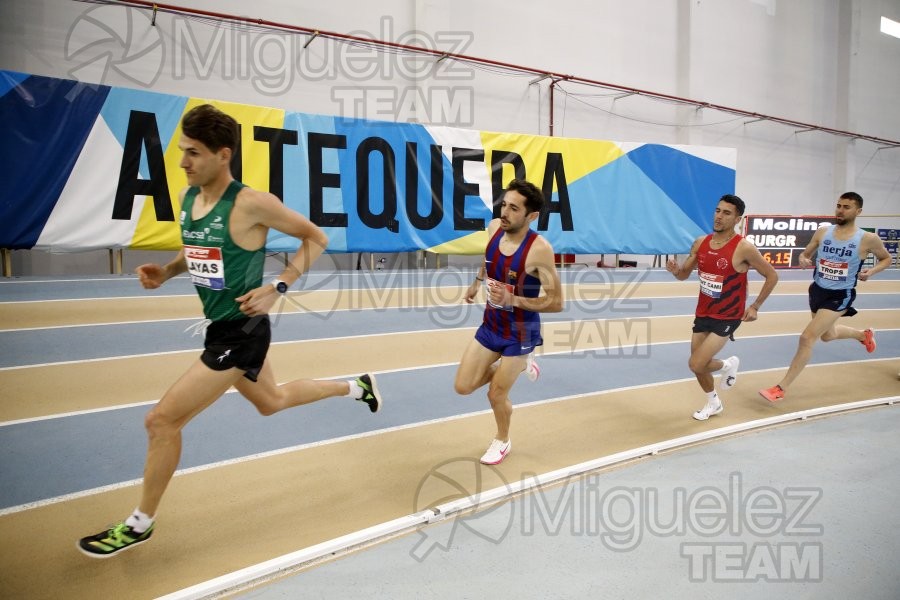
{"points": [[112, 541]]}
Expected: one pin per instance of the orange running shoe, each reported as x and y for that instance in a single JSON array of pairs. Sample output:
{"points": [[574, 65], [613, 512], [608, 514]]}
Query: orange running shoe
{"points": [[773, 394], [869, 342]]}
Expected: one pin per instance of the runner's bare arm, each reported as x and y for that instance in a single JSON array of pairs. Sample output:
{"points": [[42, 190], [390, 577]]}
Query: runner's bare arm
{"points": [[481, 273], [683, 271], [541, 263], [760, 265], [806, 257], [152, 275], [876, 247], [266, 211]]}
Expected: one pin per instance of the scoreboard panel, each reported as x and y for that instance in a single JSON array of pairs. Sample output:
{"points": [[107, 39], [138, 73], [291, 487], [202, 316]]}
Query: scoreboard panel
{"points": [[781, 238]]}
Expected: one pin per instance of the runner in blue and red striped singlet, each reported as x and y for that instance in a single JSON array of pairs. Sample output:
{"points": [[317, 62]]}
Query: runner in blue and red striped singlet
{"points": [[518, 264]]}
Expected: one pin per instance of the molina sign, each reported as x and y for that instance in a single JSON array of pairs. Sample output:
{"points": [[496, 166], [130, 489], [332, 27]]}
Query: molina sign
{"points": [[781, 238]]}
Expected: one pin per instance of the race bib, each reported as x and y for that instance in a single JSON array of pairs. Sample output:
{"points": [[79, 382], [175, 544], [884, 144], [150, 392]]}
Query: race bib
{"points": [[711, 284], [833, 270], [205, 266], [491, 284]]}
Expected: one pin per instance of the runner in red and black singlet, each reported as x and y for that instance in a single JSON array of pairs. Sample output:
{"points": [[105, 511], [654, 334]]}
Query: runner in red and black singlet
{"points": [[722, 259], [723, 290]]}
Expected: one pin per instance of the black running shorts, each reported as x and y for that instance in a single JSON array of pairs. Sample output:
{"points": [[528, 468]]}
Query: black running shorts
{"points": [[242, 344], [720, 327], [836, 300]]}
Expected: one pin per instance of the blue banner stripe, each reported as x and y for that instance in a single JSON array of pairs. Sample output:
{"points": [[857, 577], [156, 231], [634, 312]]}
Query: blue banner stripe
{"points": [[627, 213], [693, 184], [10, 80], [52, 118]]}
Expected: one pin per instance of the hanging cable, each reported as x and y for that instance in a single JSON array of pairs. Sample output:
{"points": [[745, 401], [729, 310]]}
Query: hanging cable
{"points": [[485, 64]]}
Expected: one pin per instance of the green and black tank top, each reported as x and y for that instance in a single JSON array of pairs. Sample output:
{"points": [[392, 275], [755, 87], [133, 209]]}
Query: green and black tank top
{"points": [[220, 269]]}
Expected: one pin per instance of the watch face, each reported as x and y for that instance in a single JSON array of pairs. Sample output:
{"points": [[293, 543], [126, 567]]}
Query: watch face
{"points": [[281, 287]]}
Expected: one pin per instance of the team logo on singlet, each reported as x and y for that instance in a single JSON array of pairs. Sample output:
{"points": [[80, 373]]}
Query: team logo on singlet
{"points": [[837, 251]]}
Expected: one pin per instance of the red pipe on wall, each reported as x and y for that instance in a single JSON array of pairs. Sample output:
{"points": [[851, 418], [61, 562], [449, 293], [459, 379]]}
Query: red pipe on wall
{"points": [[555, 77]]}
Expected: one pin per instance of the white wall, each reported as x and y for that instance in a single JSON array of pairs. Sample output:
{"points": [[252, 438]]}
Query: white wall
{"points": [[822, 62]]}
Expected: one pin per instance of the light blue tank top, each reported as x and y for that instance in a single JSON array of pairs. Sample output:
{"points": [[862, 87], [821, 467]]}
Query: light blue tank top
{"points": [[838, 261]]}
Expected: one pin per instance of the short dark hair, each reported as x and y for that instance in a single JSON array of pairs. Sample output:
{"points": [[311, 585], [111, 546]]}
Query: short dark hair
{"points": [[734, 201], [534, 198], [853, 196], [209, 125]]}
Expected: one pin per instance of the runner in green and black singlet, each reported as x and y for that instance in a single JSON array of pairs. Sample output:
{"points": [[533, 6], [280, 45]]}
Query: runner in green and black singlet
{"points": [[219, 268], [229, 279]]}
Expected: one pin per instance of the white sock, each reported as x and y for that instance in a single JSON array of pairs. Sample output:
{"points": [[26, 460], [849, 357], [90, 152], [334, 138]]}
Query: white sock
{"points": [[355, 392], [726, 364], [713, 398], [139, 521]]}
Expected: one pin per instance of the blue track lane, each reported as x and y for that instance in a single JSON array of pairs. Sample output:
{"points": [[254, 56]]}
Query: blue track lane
{"points": [[62, 344], [48, 458]]}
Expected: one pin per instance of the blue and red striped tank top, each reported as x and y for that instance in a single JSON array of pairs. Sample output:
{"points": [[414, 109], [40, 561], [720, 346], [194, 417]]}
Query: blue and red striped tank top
{"points": [[507, 322]]}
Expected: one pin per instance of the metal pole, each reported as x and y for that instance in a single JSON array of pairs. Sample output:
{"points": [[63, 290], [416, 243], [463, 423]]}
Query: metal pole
{"points": [[7, 262]]}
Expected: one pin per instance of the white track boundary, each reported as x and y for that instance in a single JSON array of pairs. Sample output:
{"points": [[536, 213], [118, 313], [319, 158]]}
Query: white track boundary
{"points": [[270, 569]]}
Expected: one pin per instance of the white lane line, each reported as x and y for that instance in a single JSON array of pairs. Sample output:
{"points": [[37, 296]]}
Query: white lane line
{"points": [[116, 278], [193, 294], [387, 333], [272, 316], [200, 348], [358, 336], [589, 302], [98, 299]]}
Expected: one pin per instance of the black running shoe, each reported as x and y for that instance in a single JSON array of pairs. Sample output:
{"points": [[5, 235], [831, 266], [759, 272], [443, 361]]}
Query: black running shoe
{"points": [[112, 541], [370, 394]]}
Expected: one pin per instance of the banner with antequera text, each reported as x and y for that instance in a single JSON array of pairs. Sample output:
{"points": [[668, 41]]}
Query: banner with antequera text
{"points": [[90, 166]]}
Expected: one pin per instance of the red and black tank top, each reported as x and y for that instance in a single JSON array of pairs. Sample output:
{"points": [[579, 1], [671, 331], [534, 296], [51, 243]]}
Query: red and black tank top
{"points": [[723, 291]]}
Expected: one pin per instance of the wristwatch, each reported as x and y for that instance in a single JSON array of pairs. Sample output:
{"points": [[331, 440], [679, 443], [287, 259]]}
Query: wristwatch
{"points": [[280, 286]]}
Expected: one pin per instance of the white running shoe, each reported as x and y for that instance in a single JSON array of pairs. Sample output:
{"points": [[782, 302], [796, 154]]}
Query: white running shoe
{"points": [[532, 370], [711, 408], [729, 373], [496, 452]]}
